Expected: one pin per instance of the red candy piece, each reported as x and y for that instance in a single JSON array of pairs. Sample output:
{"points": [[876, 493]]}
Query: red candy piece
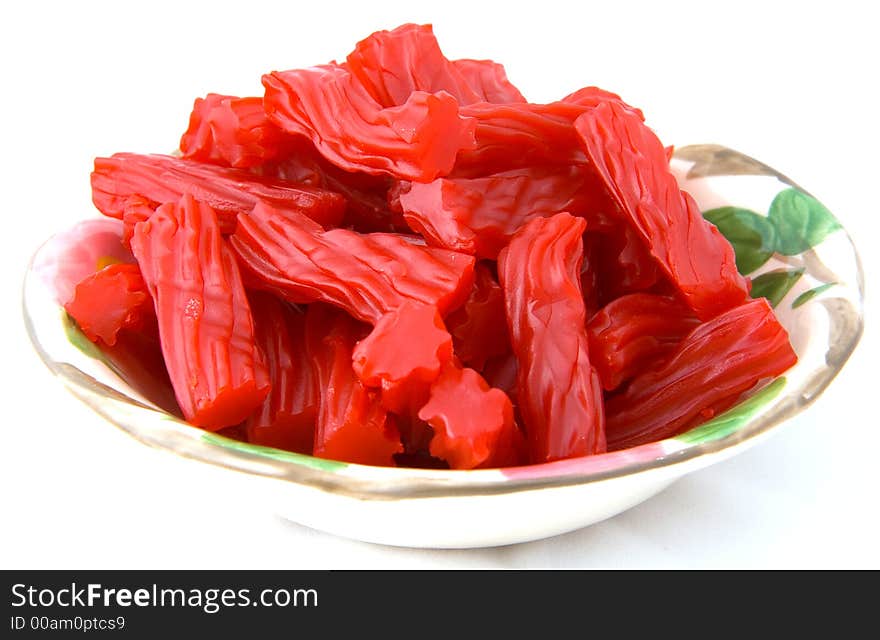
{"points": [[136, 209], [633, 333], [416, 140], [479, 326], [710, 368], [520, 135], [163, 179], [367, 208], [352, 424], [622, 263], [589, 97], [392, 65], [480, 215], [473, 423], [112, 299], [559, 395], [205, 323], [489, 282], [368, 275], [403, 355], [286, 419], [231, 132], [632, 162]]}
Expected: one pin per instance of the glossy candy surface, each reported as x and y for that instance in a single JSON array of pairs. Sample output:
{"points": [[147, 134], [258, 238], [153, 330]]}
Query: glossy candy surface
{"points": [[479, 215], [558, 390], [632, 163], [286, 419], [416, 140], [368, 275], [352, 424], [635, 331], [205, 323], [162, 179], [113, 299], [705, 374], [398, 259], [403, 355], [232, 132], [473, 423]]}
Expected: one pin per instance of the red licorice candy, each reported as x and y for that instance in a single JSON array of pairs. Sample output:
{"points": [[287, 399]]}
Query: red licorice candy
{"points": [[558, 390], [392, 65], [710, 368], [479, 215], [286, 419], [113, 299], [205, 323], [352, 424], [162, 179], [473, 423], [368, 275], [635, 332], [403, 355], [400, 260], [478, 327], [231, 132], [632, 163], [416, 140]]}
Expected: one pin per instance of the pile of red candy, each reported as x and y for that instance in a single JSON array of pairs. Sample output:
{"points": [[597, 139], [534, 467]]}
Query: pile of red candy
{"points": [[397, 259]]}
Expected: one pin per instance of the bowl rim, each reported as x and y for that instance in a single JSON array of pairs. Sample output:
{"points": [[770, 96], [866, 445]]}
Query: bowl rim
{"points": [[367, 482]]}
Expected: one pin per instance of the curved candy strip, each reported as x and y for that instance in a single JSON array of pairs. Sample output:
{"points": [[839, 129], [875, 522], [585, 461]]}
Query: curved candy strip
{"points": [[706, 373], [391, 65], [231, 132], [633, 333], [205, 323], [352, 424], [559, 395], [416, 140], [286, 419], [632, 162], [518, 135], [479, 215], [368, 275], [110, 300], [163, 179]]}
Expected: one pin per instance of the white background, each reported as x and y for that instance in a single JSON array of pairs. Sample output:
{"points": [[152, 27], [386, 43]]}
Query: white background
{"points": [[793, 84]]}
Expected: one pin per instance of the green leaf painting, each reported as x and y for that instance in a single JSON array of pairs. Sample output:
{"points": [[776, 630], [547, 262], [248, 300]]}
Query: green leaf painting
{"points": [[795, 223], [801, 221], [806, 296], [731, 420], [752, 236], [773, 285]]}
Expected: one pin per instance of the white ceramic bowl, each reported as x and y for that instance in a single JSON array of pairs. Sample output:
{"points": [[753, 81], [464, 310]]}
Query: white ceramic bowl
{"points": [[821, 308]]}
